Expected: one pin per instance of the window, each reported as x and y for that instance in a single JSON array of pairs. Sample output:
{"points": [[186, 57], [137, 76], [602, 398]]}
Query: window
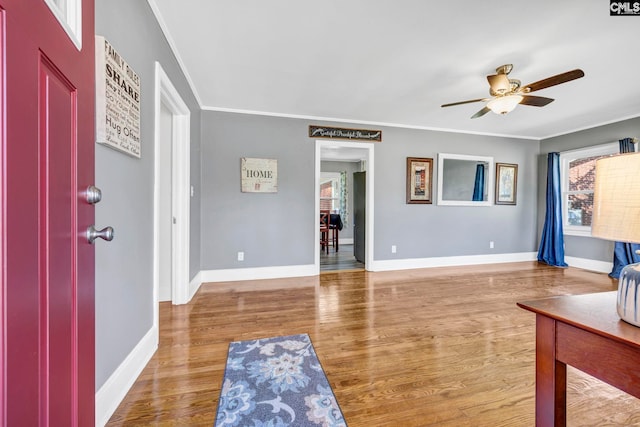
{"points": [[330, 191], [578, 173], [69, 14]]}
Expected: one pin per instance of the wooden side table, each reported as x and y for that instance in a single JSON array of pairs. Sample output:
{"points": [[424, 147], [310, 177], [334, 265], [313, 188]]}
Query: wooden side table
{"points": [[583, 331]]}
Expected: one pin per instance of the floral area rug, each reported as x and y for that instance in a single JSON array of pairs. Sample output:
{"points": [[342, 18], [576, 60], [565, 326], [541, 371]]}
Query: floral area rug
{"points": [[276, 382]]}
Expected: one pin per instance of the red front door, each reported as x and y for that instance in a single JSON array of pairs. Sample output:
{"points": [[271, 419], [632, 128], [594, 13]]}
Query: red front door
{"points": [[47, 139]]}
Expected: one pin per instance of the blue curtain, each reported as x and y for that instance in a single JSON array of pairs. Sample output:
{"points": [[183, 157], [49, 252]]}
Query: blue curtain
{"points": [[626, 145], [478, 187], [551, 249], [624, 253]]}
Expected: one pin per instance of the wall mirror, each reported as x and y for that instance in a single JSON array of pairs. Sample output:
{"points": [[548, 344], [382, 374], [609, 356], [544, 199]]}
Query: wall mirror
{"points": [[465, 180]]}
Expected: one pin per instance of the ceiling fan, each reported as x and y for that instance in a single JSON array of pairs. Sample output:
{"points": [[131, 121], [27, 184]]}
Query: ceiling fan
{"points": [[506, 93]]}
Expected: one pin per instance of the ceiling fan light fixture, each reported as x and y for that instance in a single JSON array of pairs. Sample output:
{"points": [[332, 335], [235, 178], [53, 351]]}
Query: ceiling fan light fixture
{"points": [[504, 104]]}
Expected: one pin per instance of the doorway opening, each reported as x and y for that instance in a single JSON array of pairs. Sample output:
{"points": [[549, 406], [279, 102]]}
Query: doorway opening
{"points": [[171, 195], [344, 186]]}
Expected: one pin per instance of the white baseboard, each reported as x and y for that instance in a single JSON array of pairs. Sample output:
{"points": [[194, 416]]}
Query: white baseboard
{"points": [[231, 275], [116, 387], [235, 274], [345, 241], [194, 285], [589, 264], [406, 264]]}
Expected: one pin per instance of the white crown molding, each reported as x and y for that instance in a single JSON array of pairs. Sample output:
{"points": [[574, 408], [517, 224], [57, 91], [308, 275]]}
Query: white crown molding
{"points": [[591, 126], [172, 46], [361, 122]]}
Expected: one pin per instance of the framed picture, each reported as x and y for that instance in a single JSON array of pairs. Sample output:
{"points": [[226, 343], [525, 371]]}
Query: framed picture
{"points": [[419, 178], [258, 175], [506, 183]]}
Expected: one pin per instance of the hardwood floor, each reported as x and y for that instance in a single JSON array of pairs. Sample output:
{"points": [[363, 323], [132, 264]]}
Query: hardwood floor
{"points": [[343, 259], [433, 347]]}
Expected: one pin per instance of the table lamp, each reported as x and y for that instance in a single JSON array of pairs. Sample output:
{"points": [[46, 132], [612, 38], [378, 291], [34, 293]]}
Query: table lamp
{"points": [[616, 216]]}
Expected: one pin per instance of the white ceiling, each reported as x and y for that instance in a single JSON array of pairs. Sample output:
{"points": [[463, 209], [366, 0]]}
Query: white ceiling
{"points": [[387, 62]]}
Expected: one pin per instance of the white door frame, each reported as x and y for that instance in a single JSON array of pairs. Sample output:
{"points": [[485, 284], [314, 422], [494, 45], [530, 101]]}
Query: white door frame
{"points": [[166, 93], [369, 147]]}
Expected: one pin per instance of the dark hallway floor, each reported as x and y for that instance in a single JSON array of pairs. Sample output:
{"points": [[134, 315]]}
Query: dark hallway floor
{"points": [[341, 260]]}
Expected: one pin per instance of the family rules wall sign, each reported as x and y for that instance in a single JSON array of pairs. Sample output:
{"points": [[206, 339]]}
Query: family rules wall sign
{"points": [[117, 101]]}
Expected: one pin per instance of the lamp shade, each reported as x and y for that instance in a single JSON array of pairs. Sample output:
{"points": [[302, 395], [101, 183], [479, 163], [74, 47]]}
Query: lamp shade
{"points": [[504, 104], [616, 203]]}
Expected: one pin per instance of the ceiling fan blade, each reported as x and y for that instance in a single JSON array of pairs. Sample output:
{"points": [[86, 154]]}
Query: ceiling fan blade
{"points": [[554, 80], [463, 102], [535, 101], [481, 113], [499, 83]]}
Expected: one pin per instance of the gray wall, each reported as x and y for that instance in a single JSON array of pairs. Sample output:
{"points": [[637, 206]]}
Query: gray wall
{"points": [[422, 231], [350, 168], [578, 246], [124, 267], [272, 229], [278, 229]]}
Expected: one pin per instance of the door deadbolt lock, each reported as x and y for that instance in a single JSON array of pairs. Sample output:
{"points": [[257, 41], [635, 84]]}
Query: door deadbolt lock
{"points": [[105, 234]]}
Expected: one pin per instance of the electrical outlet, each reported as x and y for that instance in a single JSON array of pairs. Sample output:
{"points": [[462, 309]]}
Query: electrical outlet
{"points": [[240, 256], [491, 244], [393, 249]]}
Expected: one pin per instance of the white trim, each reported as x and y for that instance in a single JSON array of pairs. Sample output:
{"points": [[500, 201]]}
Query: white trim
{"points": [[370, 192], [172, 45], [239, 274], [181, 190], [330, 177], [592, 150], [71, 22], [589, 264], [411, 263], [236, 274], [345, 240], [566, 157], [488, 174], [194, 285], [618, 120], [369, 237], [575, 230], [405, 126], [259, 273], [166, 93], [113, 391]]}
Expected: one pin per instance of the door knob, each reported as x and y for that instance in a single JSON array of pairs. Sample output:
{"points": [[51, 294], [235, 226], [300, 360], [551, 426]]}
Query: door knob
{"points": [[93, 194], [105, 234]]}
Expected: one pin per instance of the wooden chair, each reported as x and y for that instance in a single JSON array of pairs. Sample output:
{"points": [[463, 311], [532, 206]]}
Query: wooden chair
{"points": [[324, 229], [334, 230]]}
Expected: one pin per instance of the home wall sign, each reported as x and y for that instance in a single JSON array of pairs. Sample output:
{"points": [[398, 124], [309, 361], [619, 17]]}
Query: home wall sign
{"points": [[259, 175], [344, 133], [117, 101]]}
